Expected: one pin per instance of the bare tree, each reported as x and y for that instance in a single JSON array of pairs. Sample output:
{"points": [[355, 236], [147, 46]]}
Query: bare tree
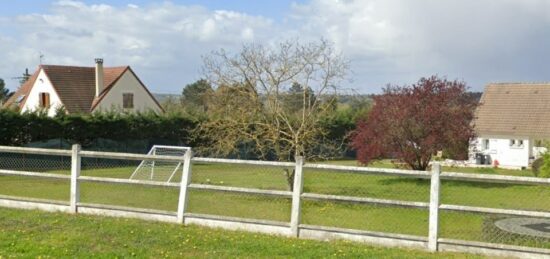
{"points": [[256, 95]]}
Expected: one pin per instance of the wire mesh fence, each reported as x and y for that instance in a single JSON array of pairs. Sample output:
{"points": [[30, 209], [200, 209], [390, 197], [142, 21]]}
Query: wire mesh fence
{"points": [[369, 217], [496, 195], [97, 186], [251, 206], [109, 168], [361, 184], [130, 195], [379, 205], [31, 186], [55, 164], [236, 203], [242, 175], [35, 188], [370, 199], [496, 227]]}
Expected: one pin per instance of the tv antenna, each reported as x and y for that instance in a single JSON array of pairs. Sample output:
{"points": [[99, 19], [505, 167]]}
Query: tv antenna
{"points": [[41, 57]]}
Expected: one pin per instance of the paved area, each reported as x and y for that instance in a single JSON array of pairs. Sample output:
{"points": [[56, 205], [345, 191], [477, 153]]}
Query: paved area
{"points": [[526, 226]]}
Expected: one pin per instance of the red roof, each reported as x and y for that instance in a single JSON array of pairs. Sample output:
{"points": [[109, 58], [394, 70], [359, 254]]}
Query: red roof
{"points": [[75, 86], [20, 96]]}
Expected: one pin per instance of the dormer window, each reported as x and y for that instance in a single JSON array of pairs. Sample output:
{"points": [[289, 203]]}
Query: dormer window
{"points": [[44, 99], [128, 100]]}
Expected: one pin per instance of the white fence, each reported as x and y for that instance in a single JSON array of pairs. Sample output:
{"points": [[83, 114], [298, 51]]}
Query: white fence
{"points": [[295, 226]]}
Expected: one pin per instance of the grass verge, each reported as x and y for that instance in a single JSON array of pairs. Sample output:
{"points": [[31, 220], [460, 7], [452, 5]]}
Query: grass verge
{"points": [[41, 234]]}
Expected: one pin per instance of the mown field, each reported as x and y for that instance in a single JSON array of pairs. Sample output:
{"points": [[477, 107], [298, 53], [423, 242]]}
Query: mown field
{"points": [[35, 234], [468, 226]]}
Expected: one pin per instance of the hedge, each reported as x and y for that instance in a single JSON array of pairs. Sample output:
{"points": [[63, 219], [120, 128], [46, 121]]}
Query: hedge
{"points": [[18, 129]]}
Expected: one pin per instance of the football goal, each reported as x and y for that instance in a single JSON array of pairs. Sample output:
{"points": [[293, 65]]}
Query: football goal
{"points": [[159, 170]]}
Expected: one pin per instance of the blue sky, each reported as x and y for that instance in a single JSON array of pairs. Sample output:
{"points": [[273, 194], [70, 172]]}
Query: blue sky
{"points": [[386, 41], [275, 9]]}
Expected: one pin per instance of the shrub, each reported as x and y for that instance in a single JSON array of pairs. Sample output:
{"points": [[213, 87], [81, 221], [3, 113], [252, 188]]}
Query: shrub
{"points": [[535, 167], [545, 167], [20, 129]]}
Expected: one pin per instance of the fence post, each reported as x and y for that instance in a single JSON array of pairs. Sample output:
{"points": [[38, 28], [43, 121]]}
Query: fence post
{"points": [[185, 180], [296, 196], [153, 165], [75, 173], [434, 207]]}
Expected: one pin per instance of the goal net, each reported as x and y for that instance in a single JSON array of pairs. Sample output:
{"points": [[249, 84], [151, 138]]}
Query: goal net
{"points": [[159, 170]]}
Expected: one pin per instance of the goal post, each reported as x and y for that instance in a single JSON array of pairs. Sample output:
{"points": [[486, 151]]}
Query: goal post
{"points": [[159, 170]]}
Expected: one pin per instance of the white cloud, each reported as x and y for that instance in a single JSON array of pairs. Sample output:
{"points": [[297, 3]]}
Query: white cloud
{"points": [[163, 42], [388, 41], [397, 41]]}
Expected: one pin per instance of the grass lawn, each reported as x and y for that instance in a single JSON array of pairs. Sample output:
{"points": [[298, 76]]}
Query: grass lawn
{"points": [[35, 234], [467, 226], [388, 164]]}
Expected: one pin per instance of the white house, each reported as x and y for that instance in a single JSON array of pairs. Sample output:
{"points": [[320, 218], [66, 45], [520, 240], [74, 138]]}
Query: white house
{"points": [[511, 121], [84, 90]]}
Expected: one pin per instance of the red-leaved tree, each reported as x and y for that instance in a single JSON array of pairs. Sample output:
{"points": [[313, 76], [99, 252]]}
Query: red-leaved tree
{"points": [[411, 123]]}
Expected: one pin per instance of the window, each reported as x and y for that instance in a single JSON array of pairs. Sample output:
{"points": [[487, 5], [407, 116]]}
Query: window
{"points": [[516, 143], [485, 144], [44, 99], [127, 100]]}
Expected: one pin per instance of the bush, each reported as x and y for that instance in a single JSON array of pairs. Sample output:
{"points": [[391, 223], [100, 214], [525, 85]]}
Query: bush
{"points": [[535, 167], [22, 128], [545, 167]]}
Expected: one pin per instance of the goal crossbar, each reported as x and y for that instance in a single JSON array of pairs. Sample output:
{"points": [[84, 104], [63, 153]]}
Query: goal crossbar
{"points": [[152, 165]]}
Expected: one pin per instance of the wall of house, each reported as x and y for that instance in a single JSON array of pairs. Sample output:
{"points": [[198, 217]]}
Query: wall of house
{"points": [[42, 85], [500, 149], [128, 83]]}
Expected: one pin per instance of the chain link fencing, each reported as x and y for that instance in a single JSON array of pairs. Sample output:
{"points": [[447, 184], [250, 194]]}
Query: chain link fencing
{"points": [[56, 189], [239, 203], [497, 228], [509, 212], [366, 201], [131, 195]]}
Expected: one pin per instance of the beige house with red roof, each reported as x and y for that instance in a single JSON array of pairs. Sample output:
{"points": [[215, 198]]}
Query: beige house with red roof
{"points": [[84, 90], [510, 121]]}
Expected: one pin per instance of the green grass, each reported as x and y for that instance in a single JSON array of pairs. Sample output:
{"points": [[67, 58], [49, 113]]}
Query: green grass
{"points": [[35, 234], [357, 216], [388, 164]]}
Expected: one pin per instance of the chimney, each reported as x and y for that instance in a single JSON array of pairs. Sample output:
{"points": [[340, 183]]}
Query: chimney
{"points": [[98, 76]]}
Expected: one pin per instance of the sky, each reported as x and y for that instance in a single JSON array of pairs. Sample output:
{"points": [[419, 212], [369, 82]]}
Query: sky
{"points": [[386, 41]]}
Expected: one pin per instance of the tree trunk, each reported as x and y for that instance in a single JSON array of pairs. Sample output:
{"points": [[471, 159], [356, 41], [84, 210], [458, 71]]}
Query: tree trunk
{"points": [[290, 178]]}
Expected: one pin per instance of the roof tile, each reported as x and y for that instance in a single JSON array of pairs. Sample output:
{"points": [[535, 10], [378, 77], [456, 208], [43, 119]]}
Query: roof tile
{"points": [[516, 110], [74, 85]]}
